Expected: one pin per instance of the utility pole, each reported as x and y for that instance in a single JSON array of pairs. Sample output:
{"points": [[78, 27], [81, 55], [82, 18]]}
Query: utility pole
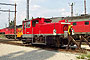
{"points": [[15, 22], [0, 8], [14, 17], [85, 6], [71, 10], [27, 9]]}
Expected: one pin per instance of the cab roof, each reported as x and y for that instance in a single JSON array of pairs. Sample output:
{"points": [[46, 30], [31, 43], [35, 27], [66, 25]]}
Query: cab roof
{"points": [[39, 19]]}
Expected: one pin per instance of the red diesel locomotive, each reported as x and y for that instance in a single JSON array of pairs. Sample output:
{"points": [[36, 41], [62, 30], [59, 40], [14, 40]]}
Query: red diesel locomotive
{"points": [[43, 31]]}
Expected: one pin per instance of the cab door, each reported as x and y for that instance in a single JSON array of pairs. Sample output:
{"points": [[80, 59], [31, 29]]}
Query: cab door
{"points": [[28, 27], [24, 27]]}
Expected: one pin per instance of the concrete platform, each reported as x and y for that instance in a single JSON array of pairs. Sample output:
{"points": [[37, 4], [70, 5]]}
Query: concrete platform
{"points": [[85, 46], [12, 52]]}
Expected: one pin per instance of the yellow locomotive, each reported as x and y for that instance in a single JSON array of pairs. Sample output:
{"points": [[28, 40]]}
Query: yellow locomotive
{"points": [[19, 33]]}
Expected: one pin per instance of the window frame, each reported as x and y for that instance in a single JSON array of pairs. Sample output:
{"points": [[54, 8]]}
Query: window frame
{"points": [[28, 24], [47, 21], [86, 22], [74, 23], [34, 22]]}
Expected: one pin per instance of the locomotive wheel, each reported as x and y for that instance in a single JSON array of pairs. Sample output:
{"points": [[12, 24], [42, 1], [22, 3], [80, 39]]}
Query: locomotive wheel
{"points": [[35, 39], [39, 39], [8, 37], [57, 42], [42, 40], [11, 36]]}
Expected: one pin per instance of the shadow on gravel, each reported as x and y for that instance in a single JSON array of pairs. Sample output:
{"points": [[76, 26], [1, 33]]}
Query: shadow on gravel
{"points": [[32, 55]]}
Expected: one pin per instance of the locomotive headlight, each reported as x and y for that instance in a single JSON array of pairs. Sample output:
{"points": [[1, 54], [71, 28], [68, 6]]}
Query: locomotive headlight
{"points": [[54, 32]]}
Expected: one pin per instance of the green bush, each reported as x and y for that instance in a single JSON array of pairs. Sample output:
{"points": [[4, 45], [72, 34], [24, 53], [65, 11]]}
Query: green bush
{"points": [[2, 36], [88, 56], [84, 56], [78, 57]]}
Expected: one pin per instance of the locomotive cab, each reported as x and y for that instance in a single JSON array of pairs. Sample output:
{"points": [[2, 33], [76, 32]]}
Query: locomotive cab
{"points": [[31, 28]]}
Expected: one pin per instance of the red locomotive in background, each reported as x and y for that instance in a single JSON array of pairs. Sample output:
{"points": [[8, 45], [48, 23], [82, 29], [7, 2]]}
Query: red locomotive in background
{"points": [[81, 28], [9, 31]]}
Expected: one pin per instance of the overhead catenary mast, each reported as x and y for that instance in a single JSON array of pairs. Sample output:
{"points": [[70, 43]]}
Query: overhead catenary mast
{"points": [[85, 6], [71, 5], [11, 11], [27, 10], [9, 18], [15, 22], [71, 10]]}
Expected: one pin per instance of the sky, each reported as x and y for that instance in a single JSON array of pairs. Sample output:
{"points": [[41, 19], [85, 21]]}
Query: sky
{"points": [[41, 8]]}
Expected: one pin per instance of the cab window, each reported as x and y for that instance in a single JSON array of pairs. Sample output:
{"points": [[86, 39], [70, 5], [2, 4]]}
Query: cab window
{"points": [[47, 21], [87, 23], [28, 24], [34, 23], [74, 23]]}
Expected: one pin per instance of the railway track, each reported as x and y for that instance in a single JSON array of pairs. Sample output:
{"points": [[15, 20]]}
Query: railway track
{"points": [[19, 43], [5, 39]]}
